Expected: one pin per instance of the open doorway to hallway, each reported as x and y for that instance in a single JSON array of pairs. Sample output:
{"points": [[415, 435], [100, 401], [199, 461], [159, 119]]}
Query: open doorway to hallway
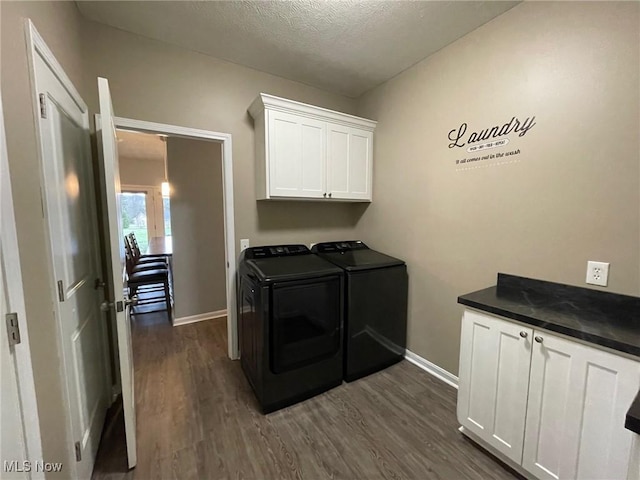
{"points": [[172, 189], [172, 196]]}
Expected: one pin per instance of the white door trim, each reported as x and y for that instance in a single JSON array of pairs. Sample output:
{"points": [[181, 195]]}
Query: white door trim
{"points": [[11, 266], [36, 44], [227, 189]]}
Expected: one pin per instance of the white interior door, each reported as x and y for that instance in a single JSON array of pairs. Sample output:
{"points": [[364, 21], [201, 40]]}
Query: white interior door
{"points": [[13, 448], [111, 190], [19, 426], [69, 207]]}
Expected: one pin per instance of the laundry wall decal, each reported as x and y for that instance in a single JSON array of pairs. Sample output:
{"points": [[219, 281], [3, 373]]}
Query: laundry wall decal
{"points": [[492, 137], [458, 136]]}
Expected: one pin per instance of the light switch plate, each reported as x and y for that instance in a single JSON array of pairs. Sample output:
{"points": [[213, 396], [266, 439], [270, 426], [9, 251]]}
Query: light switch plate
{"points": [[597, 273], [244, 244]]}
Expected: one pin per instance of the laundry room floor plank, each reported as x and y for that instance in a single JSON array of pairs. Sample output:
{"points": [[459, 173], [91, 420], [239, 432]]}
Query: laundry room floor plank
{"points": [[197, 418]]}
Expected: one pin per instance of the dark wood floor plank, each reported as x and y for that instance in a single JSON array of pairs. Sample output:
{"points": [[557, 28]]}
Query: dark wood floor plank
{"points": [[197, 418]]}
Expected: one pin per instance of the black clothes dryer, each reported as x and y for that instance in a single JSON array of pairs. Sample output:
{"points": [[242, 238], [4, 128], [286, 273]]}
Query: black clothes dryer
{"points": [[375, 304], [290, 320]]}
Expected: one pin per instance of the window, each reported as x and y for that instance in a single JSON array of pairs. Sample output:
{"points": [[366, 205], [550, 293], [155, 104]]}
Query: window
{"points": [[166, 209], [133, 207]]}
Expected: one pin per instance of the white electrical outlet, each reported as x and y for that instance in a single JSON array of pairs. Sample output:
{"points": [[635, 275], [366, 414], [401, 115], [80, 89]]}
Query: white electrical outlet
{"points": [[244, 244], [597, 273]]}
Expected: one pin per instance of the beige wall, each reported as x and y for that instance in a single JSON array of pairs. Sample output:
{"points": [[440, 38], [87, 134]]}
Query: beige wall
{"points": [[157, 82], [197, 226], [573, 194], [59, 25], [141, 171]]}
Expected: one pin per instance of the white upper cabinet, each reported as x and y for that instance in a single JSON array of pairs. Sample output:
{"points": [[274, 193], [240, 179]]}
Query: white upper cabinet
{"points": [[311, 153], [349, 159], [298, 144]]}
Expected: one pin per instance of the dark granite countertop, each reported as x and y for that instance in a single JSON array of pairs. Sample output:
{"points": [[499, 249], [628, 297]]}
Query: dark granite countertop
{"points": [[632, 422], [607, 319]]}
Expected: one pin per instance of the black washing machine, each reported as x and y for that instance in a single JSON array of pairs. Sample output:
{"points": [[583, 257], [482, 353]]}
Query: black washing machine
{"points": [[290, 320], [375, 305]]}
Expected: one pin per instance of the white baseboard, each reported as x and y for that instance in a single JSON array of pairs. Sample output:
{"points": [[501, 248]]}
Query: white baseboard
{"points": [[199, 318], [438, 372]]}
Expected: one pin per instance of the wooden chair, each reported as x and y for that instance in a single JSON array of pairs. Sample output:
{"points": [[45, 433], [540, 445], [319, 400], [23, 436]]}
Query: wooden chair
{"points": [[138, 256], [131, 245], [147, 283], [136, 265]]}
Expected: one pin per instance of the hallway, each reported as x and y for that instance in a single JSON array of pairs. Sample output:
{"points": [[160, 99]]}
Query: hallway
{"points": [[197, 418]]}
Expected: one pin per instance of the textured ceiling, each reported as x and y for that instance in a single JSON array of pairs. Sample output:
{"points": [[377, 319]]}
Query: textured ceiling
{"points": [[346, 47], [140, 146]]}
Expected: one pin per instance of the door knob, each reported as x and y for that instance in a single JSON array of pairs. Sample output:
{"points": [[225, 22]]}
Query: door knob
{"points": [[524, 334], [106, 306], [324, 194], [538, 339], [131, 302], [329, 195]]}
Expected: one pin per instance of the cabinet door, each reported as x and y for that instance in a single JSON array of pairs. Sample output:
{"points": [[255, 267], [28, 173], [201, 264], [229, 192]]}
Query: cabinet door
{"points": [[578, 398], [296, 156], [349, 162], [495, 358]]}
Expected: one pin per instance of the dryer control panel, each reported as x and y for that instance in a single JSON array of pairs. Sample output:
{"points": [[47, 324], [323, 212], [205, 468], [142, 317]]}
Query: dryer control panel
{"points": [[271, 251], [348, 245]]}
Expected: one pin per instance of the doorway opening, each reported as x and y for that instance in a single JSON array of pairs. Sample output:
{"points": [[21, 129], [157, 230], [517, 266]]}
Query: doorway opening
{"points": [[225, 143], [168, 213], [165, 174]]}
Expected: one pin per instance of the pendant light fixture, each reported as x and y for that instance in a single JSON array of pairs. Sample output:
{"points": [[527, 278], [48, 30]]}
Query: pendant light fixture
{"points": [[165, 188]]}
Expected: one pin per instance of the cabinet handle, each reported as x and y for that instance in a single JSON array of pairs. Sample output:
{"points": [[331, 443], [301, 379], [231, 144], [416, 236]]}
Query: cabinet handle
{"points": [[324, 194], [524, 334], [329, 195], [538, 339]]}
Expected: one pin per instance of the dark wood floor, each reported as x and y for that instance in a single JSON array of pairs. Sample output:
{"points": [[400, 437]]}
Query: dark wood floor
{"points": [[197, 418]]}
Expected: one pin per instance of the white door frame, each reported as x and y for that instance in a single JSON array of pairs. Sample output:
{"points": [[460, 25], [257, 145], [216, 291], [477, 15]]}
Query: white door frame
{"points": [[227, 193], [22, 351]]}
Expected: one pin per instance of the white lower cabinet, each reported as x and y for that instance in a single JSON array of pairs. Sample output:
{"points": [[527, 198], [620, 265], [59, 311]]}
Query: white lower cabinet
{"points": [[494, 378], [553, 406]]}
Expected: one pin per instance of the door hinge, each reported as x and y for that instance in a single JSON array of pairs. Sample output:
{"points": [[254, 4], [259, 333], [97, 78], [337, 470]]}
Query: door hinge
{"points": [[13, 329], [60, 291], [78, 452], [43, 105]]}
